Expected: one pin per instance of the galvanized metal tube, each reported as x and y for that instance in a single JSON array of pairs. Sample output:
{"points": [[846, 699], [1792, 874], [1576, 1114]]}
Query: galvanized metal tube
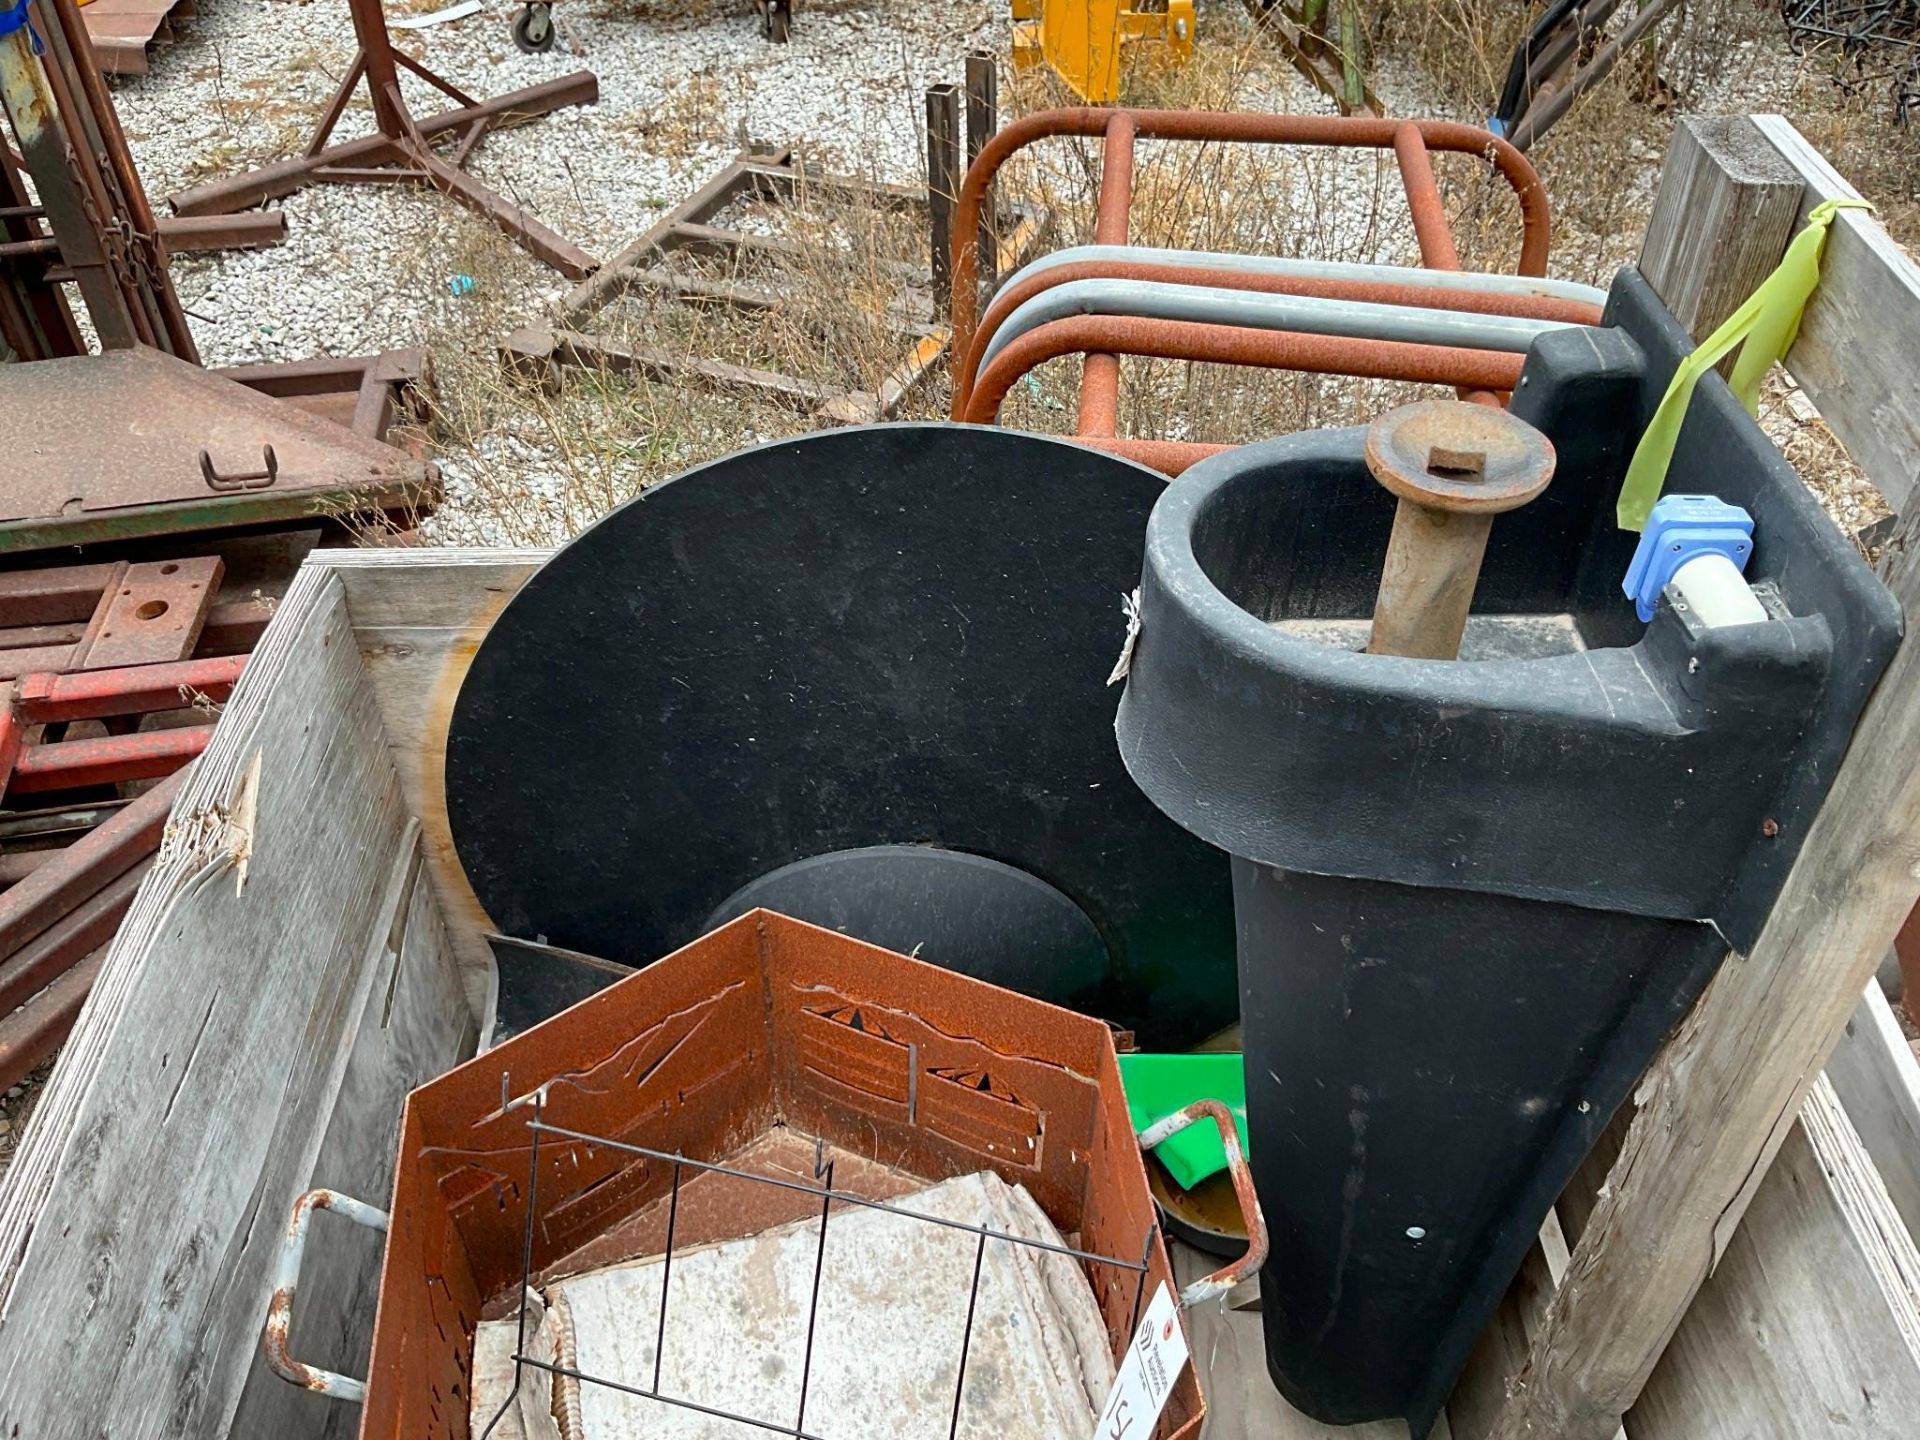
{"points": [[1043, 276], [277, 1336], [1299, 314], [1484, 282], [1033, 281]]}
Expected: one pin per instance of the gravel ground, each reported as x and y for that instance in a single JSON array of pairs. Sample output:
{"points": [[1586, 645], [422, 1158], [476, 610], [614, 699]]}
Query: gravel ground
{"points": [[367, 267]]}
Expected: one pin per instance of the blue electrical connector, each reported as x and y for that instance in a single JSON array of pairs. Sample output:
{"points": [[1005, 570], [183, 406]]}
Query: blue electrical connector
{"points": [[1683, 528]]}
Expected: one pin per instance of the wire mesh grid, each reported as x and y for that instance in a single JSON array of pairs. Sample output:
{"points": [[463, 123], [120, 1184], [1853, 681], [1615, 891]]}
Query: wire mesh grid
{"points": [[828, 1197]]}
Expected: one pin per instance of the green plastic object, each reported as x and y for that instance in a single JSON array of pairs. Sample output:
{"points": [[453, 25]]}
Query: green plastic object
{"points": [[1158, 1085]]}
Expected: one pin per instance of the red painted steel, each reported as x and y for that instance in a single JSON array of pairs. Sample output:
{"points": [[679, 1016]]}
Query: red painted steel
{"points": [[136, 689], [1412, 142], [71, 764]]}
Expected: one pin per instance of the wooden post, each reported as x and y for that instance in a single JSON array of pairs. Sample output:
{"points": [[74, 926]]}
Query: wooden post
{"points": [[1716, 1105], [943, 184], [983, 118], [1727, 206]]}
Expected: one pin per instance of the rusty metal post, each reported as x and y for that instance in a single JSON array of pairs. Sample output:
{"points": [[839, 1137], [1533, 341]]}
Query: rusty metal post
{"points": [[1454, 466], [36, 123], [943, 183], [983, 118], [1099, 413]]}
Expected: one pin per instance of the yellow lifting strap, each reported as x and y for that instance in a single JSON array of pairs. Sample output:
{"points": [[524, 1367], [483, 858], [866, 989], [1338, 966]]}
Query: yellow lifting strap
{"points": [[1767, 323]]}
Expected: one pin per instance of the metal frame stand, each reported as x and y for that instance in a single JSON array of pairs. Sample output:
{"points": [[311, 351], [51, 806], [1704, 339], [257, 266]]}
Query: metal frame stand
{"points": [[401, 148]]}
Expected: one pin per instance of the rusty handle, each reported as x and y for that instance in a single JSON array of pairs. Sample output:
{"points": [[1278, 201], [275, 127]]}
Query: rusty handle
{"points": [[1216, 1285], [280, 1312]]}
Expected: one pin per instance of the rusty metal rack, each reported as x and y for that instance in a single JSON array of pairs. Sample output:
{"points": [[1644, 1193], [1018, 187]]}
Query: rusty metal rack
{"points": [[401, 149], [647, 266], [1103, 339]]}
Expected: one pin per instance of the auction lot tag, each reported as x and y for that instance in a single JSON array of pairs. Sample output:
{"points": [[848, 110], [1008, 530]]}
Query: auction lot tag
{"points": [[1153, 1362]]}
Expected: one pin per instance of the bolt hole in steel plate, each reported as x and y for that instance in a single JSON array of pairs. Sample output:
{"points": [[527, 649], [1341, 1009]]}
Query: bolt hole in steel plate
{"points": [[150, 609], [862, 640]]}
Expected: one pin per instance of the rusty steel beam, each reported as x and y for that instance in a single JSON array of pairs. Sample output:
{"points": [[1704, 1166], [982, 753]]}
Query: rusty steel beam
{"points": [[70, 939], [36, 1030], [401, 151], [54, 889], [109, 760]]}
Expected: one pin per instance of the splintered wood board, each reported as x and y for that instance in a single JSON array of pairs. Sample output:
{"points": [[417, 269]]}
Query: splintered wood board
{"points": [[279, 984]]}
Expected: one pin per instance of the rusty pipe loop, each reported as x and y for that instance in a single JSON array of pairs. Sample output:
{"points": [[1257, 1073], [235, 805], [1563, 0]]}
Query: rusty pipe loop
{"points": [[286, 1279], [1216, 1285], [1298, 314], [1484, 282], [1229, 345], [1364, 132]]}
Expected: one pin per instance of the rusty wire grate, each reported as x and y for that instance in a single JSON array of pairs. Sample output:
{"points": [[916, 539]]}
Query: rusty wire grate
{"points": [[828, 1196]]}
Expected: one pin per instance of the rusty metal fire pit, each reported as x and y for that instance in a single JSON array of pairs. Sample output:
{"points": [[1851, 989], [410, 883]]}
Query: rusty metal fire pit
{"points": [[585, 1140]]}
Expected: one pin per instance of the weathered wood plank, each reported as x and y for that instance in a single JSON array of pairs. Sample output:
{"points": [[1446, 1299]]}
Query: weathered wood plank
{"points": [[1481, 1392], [414, 1024], [418, 617], [201, 1082], [1728, 203], [1720, 1099], [1874, 1072], [1809, 1327], [1854, 354]]}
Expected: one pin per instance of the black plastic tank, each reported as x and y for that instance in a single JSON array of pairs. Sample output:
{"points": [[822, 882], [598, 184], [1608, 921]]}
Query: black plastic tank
{"points": [[1472, 896]]}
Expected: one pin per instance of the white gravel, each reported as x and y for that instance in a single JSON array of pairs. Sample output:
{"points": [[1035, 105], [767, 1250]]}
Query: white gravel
{"points": [[367, 267]]}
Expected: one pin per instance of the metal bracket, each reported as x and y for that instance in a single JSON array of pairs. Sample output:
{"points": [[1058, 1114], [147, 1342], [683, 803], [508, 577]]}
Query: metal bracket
{"points": [[1216, 1285], [280, 1312], [242, 480]]}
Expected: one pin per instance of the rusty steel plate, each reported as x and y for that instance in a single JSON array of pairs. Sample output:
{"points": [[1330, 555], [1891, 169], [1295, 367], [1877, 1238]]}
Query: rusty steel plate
{"points": [[1455, 455], [101, 447], [156, 613]]}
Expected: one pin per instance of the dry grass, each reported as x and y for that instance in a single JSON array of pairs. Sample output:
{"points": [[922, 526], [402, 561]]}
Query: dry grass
{"points": [[533, 465]]}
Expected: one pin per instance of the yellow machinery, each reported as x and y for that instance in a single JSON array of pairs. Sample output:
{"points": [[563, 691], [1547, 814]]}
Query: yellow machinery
{"points": [[1081, 39]]}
